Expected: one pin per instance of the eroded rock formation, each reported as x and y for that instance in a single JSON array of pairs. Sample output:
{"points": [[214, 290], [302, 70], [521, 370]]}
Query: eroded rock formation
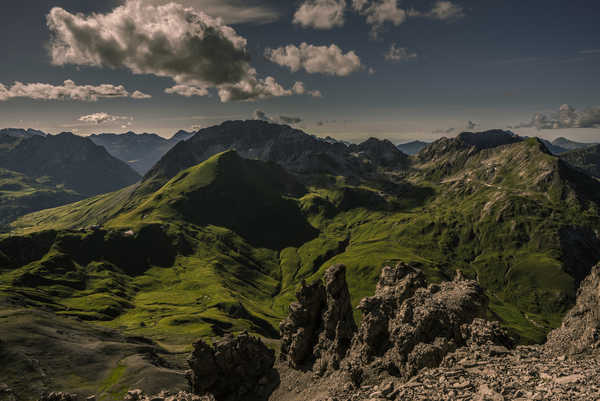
{"points": [[406, 325], [235, 368], [320, 326], [580, 329]]}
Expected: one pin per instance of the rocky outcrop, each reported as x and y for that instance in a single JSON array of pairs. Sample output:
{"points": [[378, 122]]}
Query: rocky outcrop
{"points": [[407, 326], [234, 368], [394, 287], [59, 396], [139, 395], [580, 330], [338, 327], [320, 326]]}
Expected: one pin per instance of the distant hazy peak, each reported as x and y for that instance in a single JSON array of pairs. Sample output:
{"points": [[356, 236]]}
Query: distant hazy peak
{"points": [[20, 132]]}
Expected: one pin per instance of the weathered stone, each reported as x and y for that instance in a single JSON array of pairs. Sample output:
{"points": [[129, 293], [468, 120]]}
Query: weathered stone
{"points": [[320, 326], [407, 327], [580, 330], [235, 368], [59, 396]]}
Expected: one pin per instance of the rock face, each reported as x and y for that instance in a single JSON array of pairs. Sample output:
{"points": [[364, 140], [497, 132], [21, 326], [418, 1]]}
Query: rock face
{"points": [[239, 368], [580, 330], [395, 285], [407, 326], [385, 152], [320, 325]]}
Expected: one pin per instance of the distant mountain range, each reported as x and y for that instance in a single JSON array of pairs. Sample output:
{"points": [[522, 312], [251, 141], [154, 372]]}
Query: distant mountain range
{"points": [[557, 146], [140, 151], [42, 171], [412, 148], [21, 133]]}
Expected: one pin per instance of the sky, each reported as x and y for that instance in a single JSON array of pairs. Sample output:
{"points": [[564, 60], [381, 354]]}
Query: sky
{"points": [[352, 69]]}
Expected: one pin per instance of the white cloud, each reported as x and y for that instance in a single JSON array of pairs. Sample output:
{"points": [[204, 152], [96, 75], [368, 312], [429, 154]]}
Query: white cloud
{"points": [[140, 95], [256, 89], [358, 5], [230, 11], [442, 10], [471, 125], [299, 89], [101, 118], [399, 54], [69, 90], [378, 12], [329, 60], [263, 116], [168, 40], [187, 91], [320, 14], [566, 117], [260, 115]]}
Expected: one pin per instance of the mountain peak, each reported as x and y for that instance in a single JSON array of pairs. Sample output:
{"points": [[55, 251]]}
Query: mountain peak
{"points": [[250, 197], [488, 139]]}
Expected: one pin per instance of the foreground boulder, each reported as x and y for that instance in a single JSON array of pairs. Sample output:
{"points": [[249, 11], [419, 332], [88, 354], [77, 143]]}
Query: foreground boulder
{"points": [[320, 326], [580, 329], [235, 368]]}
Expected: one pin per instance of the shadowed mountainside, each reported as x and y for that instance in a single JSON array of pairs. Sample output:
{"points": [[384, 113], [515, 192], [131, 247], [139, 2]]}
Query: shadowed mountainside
{"points": [[140, 151], [68, 160]]}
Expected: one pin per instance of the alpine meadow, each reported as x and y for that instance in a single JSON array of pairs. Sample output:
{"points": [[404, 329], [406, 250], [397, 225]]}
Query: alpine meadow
{"points": [[323, 200]]}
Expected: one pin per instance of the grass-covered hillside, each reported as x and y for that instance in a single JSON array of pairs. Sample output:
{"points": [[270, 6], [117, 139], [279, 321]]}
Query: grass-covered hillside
{"points": [[68, 160], [20, 195], [222, 245], [39, 171], [587, 159]]}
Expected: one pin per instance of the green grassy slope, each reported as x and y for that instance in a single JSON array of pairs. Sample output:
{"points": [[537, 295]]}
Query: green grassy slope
{"points": [[20, 195], [222, 245], [587, 159]]}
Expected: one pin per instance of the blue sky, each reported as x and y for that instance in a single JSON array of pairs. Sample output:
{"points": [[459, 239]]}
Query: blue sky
{"points": [[495, 63]]}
